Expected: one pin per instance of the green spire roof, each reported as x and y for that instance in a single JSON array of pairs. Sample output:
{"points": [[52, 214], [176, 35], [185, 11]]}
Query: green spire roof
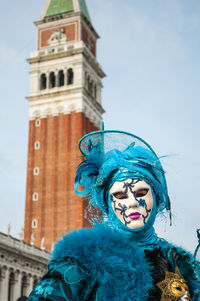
{"points": [[64, 6], [83, 8], [59, 7]]}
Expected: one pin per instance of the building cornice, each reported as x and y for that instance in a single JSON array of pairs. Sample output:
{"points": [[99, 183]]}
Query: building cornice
{"points": [[19, 247], [58, 97], [66, 51], [52, 19]]}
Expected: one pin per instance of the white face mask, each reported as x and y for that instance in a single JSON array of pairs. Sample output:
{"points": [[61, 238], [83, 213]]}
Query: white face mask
{"points": [[132, 202]]}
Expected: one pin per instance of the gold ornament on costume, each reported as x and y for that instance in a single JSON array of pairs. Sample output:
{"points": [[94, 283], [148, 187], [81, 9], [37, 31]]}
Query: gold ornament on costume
{"points": [[174, 287]]}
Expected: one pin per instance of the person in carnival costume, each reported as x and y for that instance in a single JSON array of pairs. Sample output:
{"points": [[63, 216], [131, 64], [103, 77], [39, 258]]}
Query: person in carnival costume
{"points": [[120, 258]]}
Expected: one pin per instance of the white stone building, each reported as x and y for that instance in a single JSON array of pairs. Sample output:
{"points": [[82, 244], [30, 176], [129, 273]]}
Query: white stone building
{"points": [[21, 267]]}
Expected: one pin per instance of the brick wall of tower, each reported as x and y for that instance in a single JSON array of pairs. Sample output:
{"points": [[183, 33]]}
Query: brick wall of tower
{"points": [[85, 37], [58, 210]]}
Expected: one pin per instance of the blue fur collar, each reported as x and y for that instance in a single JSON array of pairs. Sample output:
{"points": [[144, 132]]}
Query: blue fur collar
{"points": [[119, 266], [118, 263]]}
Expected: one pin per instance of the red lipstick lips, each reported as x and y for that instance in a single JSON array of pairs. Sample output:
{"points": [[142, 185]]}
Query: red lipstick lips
{"points": [[134, 215]]}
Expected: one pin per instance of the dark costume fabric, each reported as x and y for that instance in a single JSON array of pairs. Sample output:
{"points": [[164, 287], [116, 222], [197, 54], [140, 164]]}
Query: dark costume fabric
{"points": [[101, 264]]}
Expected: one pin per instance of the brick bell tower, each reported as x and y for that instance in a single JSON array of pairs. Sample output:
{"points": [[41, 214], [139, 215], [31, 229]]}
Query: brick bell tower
{"points": [[64, 104]]}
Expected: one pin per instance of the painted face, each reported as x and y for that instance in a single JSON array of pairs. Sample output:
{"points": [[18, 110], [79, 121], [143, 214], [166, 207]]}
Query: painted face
{"points": [[132, 202]]}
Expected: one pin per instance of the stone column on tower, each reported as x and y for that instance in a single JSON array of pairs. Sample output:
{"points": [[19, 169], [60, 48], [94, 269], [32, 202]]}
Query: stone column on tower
{"points": [[64, 104]]}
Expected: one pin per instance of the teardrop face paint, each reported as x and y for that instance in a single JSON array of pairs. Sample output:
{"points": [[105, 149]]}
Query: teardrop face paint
{"points": [[132, 202]]}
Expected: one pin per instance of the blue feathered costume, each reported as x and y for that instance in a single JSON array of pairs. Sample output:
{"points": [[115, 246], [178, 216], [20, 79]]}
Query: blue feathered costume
{"points": [[111, 261]]}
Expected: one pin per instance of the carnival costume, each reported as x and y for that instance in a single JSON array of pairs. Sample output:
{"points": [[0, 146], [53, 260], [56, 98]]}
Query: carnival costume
{"points": [[113, 261]]}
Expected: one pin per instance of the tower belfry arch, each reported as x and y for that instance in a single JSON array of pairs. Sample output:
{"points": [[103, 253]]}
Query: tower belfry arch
{"points": [[64, 104]]}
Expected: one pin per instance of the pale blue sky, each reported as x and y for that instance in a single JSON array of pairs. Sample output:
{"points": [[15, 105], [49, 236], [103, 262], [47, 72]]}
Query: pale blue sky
{"points": [[149, 50]]}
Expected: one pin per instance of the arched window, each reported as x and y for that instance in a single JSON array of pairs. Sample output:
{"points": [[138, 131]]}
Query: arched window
{"points": [[95, 91], [61, 78], [37, 145], [34, 223], [35, 196], [11, 286], [91, 88], [24, 285], [52, 80], [35, 282], [70, 76], [88, 83], [37, 122], [43, 81], [36, 171]]}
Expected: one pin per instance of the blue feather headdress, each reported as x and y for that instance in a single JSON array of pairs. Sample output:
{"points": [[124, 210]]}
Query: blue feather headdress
{"points": [[111, 156]]}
